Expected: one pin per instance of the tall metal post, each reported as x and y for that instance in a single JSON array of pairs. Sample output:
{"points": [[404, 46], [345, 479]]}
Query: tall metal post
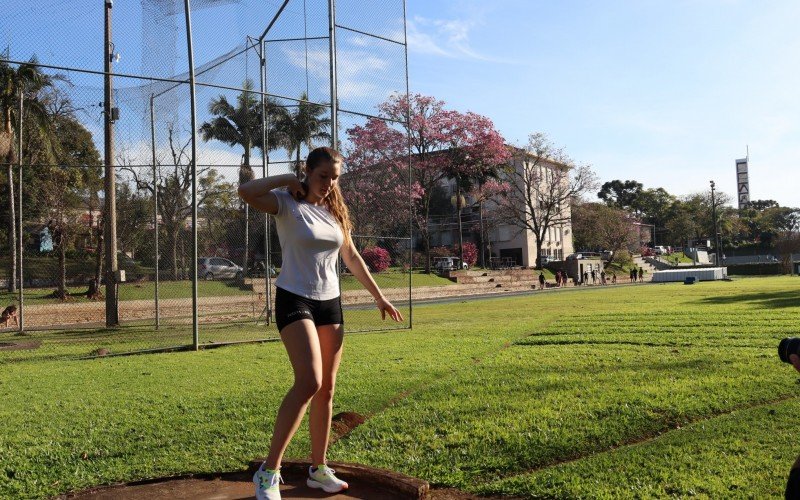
{"points": [[21, 234], [155, 202], [717, 253], [410, 201], [334, 84], [188, 12], [109, 183], [460, 228], [264, 174], [483, 243]]}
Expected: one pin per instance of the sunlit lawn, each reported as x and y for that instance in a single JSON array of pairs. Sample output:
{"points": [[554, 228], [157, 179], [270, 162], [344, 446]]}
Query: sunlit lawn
{"points": [[628, 391]]}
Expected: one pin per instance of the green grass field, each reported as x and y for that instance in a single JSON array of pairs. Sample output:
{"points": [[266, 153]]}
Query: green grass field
{"points": [[615, 392]]}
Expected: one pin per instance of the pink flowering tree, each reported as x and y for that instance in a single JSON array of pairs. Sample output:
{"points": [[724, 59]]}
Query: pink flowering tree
{"points": [[375, 180], [437, 143]]}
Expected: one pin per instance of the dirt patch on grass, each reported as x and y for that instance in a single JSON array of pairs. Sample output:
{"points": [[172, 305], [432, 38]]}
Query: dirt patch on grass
{"points": [[343, 423], [16, 346]]}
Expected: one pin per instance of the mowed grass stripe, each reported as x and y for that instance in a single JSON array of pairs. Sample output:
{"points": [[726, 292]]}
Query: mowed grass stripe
{"points": [[744, 454]]}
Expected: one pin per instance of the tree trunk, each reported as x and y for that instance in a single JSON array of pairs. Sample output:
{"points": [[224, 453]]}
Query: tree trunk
{"points": [[62, 267], [427, 241], [174, 250], [539, 241], [94, 292]]}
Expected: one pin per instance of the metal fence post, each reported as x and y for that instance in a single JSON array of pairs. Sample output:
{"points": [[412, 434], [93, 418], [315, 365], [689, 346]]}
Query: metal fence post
{"points": [[410, 201], [19, 212], [193, 101], [265, 173], [334, 84], [155, 201]]}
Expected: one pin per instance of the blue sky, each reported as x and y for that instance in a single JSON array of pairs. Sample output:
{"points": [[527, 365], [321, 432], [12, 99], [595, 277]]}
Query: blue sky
{"points": [[668, 93]]}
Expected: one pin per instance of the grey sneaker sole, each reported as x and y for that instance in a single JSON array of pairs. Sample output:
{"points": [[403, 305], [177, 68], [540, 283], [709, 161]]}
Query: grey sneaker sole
{"points": [[328, 489]]}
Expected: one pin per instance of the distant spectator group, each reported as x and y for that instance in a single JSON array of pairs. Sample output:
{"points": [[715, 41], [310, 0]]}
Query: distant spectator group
{"points": [[597, 277]]}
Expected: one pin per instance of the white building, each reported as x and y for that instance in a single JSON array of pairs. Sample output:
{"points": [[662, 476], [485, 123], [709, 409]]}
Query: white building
{"points": [[510, 244]]}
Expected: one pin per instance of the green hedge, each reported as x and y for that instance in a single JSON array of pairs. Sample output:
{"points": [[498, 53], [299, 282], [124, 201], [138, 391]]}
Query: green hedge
{"points": [[767, 268]]}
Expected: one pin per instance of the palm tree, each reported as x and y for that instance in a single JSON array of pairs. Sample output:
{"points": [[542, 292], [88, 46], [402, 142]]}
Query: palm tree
{"points": [[26, 81], [302, 127], [241, 126]]}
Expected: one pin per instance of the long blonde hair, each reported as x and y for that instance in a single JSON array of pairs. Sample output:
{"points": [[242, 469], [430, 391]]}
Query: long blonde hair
{"points": [[334, 202]]}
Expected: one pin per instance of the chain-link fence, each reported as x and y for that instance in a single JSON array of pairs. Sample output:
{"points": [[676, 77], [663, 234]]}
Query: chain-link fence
{"points": [[270, 84]]}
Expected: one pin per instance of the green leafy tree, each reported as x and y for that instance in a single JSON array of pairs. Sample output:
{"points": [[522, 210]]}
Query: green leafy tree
{"points": [[26, 80], [621, 194], [763, 220], [65, 186], [599, 226]]}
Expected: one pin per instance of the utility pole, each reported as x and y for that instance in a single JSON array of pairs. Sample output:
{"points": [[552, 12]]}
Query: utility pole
{"points": [[109, 184]]}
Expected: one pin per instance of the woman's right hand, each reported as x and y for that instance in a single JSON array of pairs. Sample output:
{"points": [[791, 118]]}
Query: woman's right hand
{"points": [[296, 188]]}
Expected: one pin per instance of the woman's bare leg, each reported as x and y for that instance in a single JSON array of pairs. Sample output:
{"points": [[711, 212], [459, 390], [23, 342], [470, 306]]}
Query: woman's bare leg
{"points": [[303, 346], [330, 342]]}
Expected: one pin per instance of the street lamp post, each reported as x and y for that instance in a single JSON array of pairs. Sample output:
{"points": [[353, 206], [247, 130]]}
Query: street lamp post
{"points": [[716, 232]]}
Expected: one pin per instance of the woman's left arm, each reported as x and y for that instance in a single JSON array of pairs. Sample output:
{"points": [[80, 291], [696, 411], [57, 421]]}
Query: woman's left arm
{"points": [[356, 265]]}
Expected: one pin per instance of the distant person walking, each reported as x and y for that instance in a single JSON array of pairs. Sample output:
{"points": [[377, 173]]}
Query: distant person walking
{"points": [[613, 278], [602, 277], [541, 280], [641, 275], [594, 277]]}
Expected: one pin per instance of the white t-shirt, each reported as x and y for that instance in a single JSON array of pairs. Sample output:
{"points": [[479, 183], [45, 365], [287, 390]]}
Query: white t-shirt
{"points": [[310, 239]]}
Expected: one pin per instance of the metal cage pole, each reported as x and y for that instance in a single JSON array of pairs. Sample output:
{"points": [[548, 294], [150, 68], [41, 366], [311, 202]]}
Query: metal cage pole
{"points": [[246, 257], [20, 245], [193, 101], [264, 174], [155, 202], [334, 83], [410, 201]]}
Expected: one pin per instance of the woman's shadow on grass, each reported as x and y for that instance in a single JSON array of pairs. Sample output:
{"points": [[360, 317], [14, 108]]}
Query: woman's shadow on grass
{"points": [[768, 300]]}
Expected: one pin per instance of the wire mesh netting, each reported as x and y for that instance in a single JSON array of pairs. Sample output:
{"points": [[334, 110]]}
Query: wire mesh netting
{"points": [[263, 90]]}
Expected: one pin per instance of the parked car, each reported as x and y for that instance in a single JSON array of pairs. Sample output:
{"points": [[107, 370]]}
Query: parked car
{"points": [[441, 264], [210, 268], [660, 250]]}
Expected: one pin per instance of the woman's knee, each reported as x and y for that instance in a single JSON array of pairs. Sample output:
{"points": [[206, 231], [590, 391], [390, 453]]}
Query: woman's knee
{"points": [[325, 391], [307, 385]]}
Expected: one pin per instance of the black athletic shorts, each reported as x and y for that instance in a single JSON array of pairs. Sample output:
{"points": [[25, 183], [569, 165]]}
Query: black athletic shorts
{"points": [[290, 307]]}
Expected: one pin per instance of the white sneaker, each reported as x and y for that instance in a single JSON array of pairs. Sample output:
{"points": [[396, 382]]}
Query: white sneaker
{"points": [[324, 478], [267, 484]]}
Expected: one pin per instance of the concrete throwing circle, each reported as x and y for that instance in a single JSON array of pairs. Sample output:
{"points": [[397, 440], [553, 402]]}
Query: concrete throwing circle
{"points": [[367, 483]]}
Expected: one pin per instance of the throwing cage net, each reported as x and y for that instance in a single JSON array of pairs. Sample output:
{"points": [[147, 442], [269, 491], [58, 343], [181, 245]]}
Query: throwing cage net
{"points": [[272, 80]]}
